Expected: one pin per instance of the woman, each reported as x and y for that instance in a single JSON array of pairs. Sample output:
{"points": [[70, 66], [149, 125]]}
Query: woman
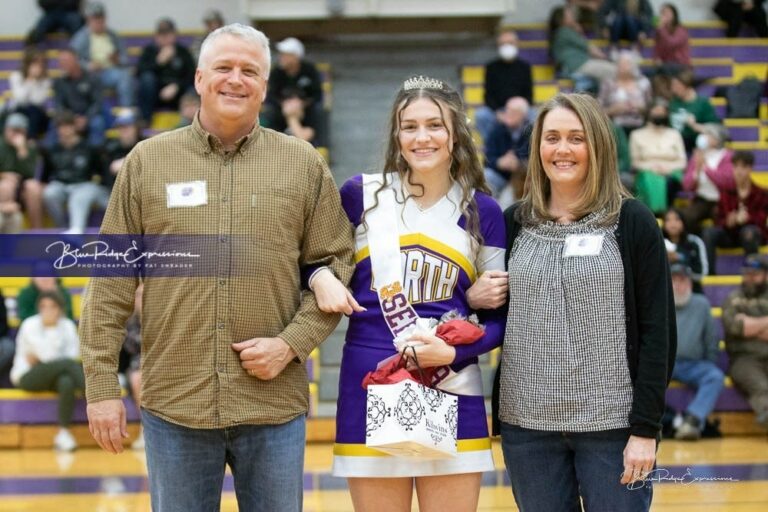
{"points": [[658, 157], [709, 171], [47, 348], [590, 335], [574, 56], [626, 98], [683, 247], [450, 231], [30, 89], [672, 50]]}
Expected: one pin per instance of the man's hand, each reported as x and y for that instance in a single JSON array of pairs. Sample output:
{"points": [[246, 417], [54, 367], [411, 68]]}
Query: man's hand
{"points": [[332, 296], [490, 291], [639, 457], [508, 162], [106, 422], [165, 54], [168, 92], [264, 358]]}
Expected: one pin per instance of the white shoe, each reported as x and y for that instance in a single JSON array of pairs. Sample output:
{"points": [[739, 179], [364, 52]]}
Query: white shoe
{"points": [[138, 444], [64, 441]]}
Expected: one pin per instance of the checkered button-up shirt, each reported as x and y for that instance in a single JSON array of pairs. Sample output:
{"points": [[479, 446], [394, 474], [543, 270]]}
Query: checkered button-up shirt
{"points": [[271, 208]]}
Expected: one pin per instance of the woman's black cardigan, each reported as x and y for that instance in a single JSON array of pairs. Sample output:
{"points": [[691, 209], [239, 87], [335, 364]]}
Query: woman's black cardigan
{"points": [[650, 314]]}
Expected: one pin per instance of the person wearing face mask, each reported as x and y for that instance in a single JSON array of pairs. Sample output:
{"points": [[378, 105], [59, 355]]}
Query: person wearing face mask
{"points": [[506, 76], [697, 350], [658, 157], [709, 172], [745, 321]]}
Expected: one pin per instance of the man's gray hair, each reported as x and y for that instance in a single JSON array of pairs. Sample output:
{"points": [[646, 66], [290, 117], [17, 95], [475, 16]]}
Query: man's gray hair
{"points": [[242, 31]]}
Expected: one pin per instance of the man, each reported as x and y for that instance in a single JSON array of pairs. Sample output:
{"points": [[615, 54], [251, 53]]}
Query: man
{"points": [[57, 15], [71, 172], [212, 19], [505, 77], [116, 149], [165, 71], [295, 97], [745, 319], [742, 213], [507, 149], [80, 92], [19, 158], [222, 355], [695, 364], [102, 52]]}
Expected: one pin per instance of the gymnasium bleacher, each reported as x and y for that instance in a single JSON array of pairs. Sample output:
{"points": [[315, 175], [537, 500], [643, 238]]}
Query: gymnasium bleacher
{"points": [[29, 419]]}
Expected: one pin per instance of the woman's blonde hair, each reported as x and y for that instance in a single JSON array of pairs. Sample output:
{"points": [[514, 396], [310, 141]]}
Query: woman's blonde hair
{"points": [[602, 190]]}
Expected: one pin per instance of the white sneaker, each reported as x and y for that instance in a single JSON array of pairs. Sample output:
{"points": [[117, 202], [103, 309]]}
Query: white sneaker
{"points": [[64, 441], [138, 444]]}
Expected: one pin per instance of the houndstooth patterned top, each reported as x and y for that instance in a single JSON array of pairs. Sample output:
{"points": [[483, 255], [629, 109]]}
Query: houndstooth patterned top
{"points": [[564, 364]]}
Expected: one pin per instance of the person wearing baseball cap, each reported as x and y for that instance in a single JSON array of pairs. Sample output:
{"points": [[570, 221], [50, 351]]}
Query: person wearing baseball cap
{"points": [[295, 95], [19, 157], [745, 322], [697, 351]]}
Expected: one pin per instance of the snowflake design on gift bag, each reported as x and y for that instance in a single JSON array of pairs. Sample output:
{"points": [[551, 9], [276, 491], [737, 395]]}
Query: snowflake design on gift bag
{"points": [[377, 412], [409, 409], [452, 418], [433, 398]]}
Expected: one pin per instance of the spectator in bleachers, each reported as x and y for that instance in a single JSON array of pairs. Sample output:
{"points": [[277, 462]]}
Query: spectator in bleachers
{"points": [[102, 52], [116, 149], [741, 213], [737, 12], [212, 19], [684, 247], [507, 148], [132, 349], [26, 302], [585, 12], [71, 170], [299, 119], [19, 159], [697, 351], [505, 77], [57, 15], [166, 71], [7, 345], [47, 352], [574, 56], [30, 90], [745, 320], [626, 97], [672, 50], [658, 157], [189, 104], [80, 92], [689, 112], [629, 20], [624, 160], [296, 81], [709, 173]]}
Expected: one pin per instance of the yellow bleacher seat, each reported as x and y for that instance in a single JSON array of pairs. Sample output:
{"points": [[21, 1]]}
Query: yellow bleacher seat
{"points": [[325, 154], [755, 69], [165, 120], [474, 95], [473, 75], [543, 92], [543, 73], [760, 179]]}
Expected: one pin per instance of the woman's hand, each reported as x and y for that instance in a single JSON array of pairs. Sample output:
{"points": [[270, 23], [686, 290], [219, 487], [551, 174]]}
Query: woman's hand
{"points": [[332, 296], [490, 291], [639, 457], [430, 351]]}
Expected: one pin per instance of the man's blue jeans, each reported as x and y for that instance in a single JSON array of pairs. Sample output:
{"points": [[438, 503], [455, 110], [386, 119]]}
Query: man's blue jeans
{"points": [[707, 378], [186, 465], [550, 470]]}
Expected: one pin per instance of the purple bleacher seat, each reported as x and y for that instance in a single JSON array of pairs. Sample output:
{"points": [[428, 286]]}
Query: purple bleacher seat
{"points": [[729, 264], [37, 411], [744, 133], [729, 400], [718, 294]]}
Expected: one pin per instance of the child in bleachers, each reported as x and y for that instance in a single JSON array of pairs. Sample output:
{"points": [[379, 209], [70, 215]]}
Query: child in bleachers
{"points": [[47, 352], [116, 149], [672, 50], [684, 247], [30, 89], [26, 302], [689, 112], [709, 173], [19, 158], [741, 214], [189, 104]]}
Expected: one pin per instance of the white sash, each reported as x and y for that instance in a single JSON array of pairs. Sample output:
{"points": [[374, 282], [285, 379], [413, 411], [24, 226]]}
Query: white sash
{"points": [[384, 248]]}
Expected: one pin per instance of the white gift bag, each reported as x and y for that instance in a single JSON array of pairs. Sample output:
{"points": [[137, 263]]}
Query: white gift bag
{"points": [[408, 419]]}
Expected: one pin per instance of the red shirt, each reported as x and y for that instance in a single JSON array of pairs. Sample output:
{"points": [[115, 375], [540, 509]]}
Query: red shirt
{"points": [[756, 204], [673, 47]]}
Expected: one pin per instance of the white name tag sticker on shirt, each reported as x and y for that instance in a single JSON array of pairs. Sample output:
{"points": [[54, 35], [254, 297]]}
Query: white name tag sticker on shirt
{"points": [[186, 194], [582, 245]]}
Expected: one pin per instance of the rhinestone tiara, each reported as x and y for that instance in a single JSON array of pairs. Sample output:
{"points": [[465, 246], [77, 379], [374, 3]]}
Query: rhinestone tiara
{"points": [[422, 82]]}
